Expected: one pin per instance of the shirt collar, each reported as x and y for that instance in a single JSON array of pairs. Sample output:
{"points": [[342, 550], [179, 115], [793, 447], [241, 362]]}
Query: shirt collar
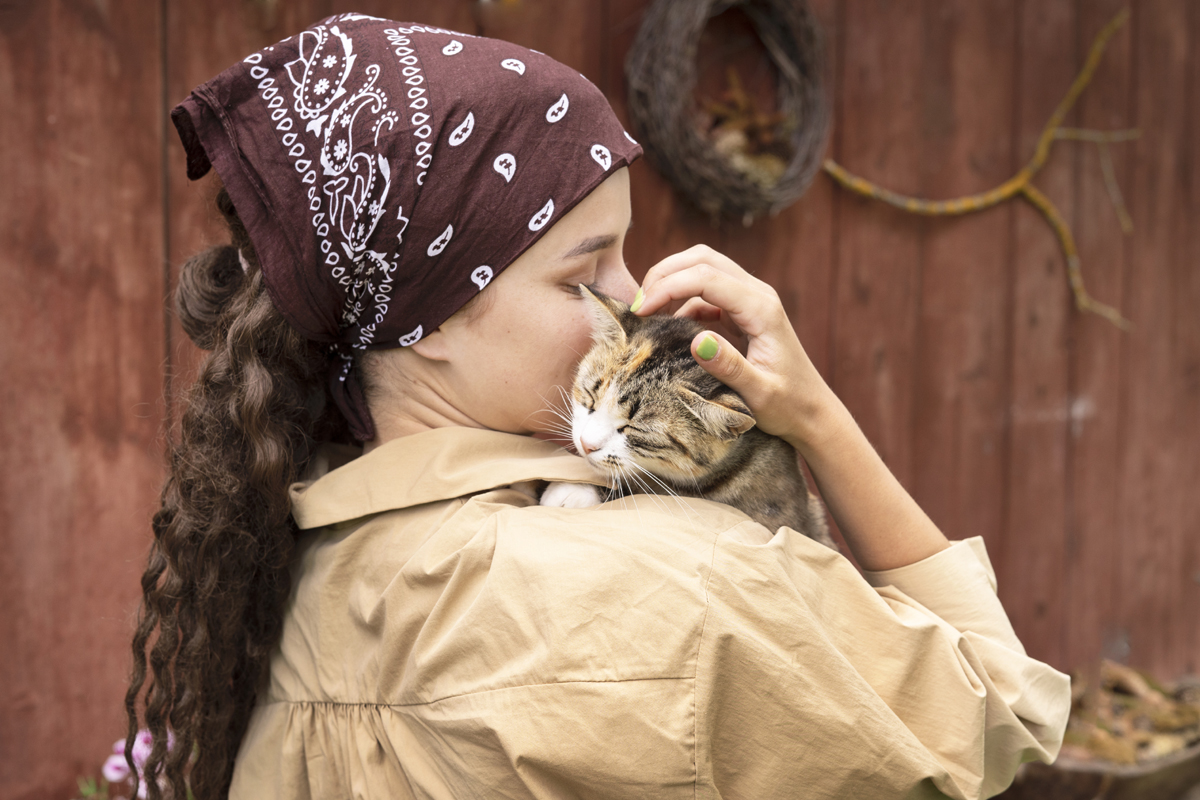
{"points": [[426, 467]]}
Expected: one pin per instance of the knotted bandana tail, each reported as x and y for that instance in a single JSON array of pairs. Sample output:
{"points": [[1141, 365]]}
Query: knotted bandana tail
{"points": [[347, 392], [386, 172]]}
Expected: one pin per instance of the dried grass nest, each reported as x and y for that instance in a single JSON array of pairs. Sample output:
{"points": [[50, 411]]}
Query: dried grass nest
{"points": [[661, 74]]}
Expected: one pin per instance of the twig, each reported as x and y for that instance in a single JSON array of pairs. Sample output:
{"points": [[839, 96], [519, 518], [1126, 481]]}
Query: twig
{"points": [[1114, 190], [1022, 183], [1100, 137]]}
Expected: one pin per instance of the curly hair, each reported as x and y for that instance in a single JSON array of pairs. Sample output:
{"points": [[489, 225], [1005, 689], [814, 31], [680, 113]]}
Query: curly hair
{"points": [[219, 568]]}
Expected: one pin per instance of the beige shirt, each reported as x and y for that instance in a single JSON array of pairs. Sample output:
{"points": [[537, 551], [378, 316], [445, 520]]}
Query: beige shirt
{"points": [[448, 638]]}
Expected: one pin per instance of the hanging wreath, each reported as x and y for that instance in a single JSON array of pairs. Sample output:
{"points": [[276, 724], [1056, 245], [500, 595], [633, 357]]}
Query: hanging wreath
{"points": [[728, 159]]}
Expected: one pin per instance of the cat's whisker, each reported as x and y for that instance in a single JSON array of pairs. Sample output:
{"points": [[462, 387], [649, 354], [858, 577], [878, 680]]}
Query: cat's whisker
{"points": [[667, 489], [559, 419], [647, 489], [621, 489], [560, 429], [636, 506], [562, 412]]}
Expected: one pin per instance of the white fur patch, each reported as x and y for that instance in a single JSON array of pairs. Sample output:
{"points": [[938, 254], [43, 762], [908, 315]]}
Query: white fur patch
{"points": [[572, 495], [596, 431]]}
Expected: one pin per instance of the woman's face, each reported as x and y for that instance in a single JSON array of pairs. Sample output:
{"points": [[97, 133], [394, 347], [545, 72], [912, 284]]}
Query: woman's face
{"points": [[501, 364]]}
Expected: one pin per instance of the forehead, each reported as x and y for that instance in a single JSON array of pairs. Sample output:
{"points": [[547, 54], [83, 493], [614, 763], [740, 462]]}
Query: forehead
{"points": [[605, 212]]}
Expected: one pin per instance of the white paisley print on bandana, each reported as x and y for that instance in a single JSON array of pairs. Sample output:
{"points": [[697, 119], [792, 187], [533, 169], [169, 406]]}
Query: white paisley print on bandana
{"points": [[338, 103]]}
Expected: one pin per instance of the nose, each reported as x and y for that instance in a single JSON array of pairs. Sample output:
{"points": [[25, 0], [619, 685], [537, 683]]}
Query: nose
{"points": [[589, 445]]}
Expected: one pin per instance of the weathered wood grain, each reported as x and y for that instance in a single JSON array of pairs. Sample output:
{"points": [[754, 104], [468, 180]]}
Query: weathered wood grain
{"points": [[81, 326], [1094, 542], [1160, 437], [878, 249], [961, 347], [1031, 552]]}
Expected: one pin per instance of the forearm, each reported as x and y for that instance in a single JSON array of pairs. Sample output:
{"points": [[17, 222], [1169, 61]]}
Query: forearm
{"points": [[880, 521]]}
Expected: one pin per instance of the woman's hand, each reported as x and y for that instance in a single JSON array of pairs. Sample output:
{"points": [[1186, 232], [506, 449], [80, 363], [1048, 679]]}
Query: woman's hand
{"points": [[881, 523], [776, 378]]}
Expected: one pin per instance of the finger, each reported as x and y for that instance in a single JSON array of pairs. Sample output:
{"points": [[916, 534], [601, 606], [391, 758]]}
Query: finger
{"points": [[751, 308], [722, 360], [695, 256], [699, 310]]}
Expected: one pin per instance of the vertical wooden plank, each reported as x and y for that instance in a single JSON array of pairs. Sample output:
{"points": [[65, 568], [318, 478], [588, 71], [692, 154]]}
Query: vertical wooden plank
{"points": [[1031, 554], [879, 248], [81, 344], [1186, 302], [961, 380], [1096, 367], [1158, 511]]}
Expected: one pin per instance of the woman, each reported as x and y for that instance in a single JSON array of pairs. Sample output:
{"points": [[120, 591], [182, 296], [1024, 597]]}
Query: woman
{"points": [[412, 211]]}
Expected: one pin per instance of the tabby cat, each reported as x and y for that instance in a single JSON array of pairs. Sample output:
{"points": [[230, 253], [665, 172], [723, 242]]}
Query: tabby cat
{"points": [[648, 415]]}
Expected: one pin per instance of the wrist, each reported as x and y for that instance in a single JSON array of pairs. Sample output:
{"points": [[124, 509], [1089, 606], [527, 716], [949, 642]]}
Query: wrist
{"points": [[819, 423]]}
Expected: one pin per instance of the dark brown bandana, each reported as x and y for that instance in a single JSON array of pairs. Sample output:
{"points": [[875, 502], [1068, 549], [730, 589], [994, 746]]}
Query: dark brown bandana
{"points": [[387, 171]]}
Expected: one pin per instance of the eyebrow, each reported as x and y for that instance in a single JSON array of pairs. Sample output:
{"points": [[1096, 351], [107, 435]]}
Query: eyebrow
{"points": [[593, 244]]}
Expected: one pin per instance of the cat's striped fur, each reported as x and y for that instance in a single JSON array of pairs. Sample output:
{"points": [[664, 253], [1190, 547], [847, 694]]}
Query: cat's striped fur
{"points": [[641, 403]]}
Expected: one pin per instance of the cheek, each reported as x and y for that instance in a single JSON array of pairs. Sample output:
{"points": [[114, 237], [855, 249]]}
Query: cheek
{"points": [[551, 346], [568, 342]]}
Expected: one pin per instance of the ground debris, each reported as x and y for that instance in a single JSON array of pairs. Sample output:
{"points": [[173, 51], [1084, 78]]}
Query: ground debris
{"points": [[1123, 716]]}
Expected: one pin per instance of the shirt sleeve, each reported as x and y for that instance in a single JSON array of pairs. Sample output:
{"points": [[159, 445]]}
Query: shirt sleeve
{"points": [[910, 683]]}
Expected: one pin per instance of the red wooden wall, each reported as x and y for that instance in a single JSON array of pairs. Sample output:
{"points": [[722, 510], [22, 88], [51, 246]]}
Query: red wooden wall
{"points": [[1072, 448]]}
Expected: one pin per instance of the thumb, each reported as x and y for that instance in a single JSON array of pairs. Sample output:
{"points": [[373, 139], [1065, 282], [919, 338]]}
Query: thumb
{"points": [[722, 360]]}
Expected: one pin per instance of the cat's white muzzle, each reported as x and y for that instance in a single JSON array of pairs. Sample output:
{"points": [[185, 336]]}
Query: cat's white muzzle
{"points": [[596, 438]]}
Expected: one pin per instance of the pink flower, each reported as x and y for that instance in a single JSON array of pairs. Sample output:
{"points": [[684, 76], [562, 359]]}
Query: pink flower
{"points": [[142, 744], [115, 769]]}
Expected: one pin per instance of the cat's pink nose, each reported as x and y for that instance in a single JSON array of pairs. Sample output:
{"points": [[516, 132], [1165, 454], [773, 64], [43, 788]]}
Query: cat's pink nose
{"points": [[587, 447]]}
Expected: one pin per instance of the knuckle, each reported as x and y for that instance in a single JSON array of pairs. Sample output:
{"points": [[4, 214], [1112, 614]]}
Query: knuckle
{"points": [[733, 368]]}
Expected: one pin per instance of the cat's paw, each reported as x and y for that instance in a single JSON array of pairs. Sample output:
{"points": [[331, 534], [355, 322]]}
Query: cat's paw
{"points": [[572, 495]]}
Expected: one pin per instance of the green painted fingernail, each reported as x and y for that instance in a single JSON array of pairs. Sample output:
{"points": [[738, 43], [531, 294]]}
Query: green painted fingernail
{"points": [[637, 301], [707, 348]]}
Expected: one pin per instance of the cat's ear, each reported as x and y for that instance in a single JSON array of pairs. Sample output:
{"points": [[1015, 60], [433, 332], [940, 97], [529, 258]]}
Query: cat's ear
{"points": [[726, 416], [608, 316]]}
